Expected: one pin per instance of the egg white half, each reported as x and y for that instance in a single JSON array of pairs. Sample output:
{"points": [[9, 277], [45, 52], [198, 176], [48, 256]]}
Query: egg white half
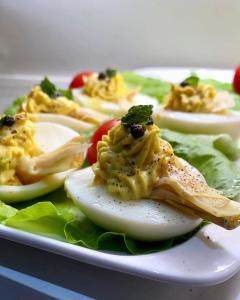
{"points": [[77, 125], [49, 136], [111, 108], [145, 219], [199, 122]]}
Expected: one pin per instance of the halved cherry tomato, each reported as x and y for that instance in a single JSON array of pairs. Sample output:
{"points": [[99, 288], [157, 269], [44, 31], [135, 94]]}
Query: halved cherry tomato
{"points": [[236, 80], [77, 81], [92, 151]]}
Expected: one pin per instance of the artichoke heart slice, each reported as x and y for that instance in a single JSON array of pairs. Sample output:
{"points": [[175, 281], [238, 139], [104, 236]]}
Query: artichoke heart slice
{"points": [[186, 189], [70, 155], [88, 115]]}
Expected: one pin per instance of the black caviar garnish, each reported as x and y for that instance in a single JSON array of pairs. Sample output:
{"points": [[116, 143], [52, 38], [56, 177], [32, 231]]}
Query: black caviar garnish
{"points": [[184, 83], [7, 121], [137, 130], [102, 76]]}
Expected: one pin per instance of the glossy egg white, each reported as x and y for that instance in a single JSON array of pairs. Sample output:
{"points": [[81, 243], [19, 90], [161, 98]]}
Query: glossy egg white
{"points": [[145, 219], [201, 123], [77, 125], [49, 137], [111, 108]]}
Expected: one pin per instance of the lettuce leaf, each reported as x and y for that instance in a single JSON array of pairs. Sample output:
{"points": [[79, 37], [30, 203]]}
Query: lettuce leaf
{"points": [[87, 234], [212, 155], [150, 86], [60, 219], [6, 211], [41, 218], [14, 107]]}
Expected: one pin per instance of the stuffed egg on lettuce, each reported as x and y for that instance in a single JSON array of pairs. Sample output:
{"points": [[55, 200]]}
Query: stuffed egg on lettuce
{"points": [[46, 103], [108, 93], [35, 157], [198, 108], [139, 187]]}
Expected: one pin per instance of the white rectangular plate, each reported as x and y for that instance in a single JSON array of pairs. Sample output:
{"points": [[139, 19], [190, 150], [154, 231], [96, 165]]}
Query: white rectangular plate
{"points": [[210, 257]]}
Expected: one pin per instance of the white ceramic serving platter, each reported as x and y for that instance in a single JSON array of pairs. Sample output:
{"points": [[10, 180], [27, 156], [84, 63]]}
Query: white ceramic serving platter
{"points": [[210, 257]]}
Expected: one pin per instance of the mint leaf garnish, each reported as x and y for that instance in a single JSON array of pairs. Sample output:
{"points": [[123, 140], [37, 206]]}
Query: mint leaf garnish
{"points": [[191, 80], [138, 115], [66, 93], [110, 72], [48, 87]]}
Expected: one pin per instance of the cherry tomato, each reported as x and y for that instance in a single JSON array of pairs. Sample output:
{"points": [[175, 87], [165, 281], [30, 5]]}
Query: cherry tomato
{"points": [[102, 130], [77, 81], [236, 80]]}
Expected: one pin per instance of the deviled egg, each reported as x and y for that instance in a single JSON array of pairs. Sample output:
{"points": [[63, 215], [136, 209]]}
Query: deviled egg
{"points": [[35, 157], [108, 93], [198, 108], [139, 187], [48, 104]]}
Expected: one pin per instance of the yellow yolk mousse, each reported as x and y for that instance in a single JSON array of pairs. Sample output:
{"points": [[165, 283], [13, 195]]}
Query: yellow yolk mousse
{"points": [[109, 86], [16, 140], [192, 97], [130, 167]]}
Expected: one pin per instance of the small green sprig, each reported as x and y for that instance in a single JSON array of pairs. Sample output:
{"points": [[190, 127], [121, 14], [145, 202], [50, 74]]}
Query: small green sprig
{"points": [[110, 72], [192, 80], [50, 89], [138, 115]]}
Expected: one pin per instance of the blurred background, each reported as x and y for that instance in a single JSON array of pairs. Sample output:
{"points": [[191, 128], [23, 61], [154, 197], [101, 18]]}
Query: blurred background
{"points": [[65, 36]]}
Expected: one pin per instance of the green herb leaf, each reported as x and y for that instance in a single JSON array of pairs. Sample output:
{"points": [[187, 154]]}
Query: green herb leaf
{"points": [[111, 72], [66, 93], [48, 87], [139, 115], [192, 80]]}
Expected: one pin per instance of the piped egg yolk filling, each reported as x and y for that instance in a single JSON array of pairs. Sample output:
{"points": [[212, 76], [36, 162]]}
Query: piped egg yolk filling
{"points": [[129, 167], [202, 98], [111, 89], [16, 141], [39, 102]]}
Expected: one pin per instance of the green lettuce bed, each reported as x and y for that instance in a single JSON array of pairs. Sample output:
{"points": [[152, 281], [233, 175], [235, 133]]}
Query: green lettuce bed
{"points": [[55, 216]]}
